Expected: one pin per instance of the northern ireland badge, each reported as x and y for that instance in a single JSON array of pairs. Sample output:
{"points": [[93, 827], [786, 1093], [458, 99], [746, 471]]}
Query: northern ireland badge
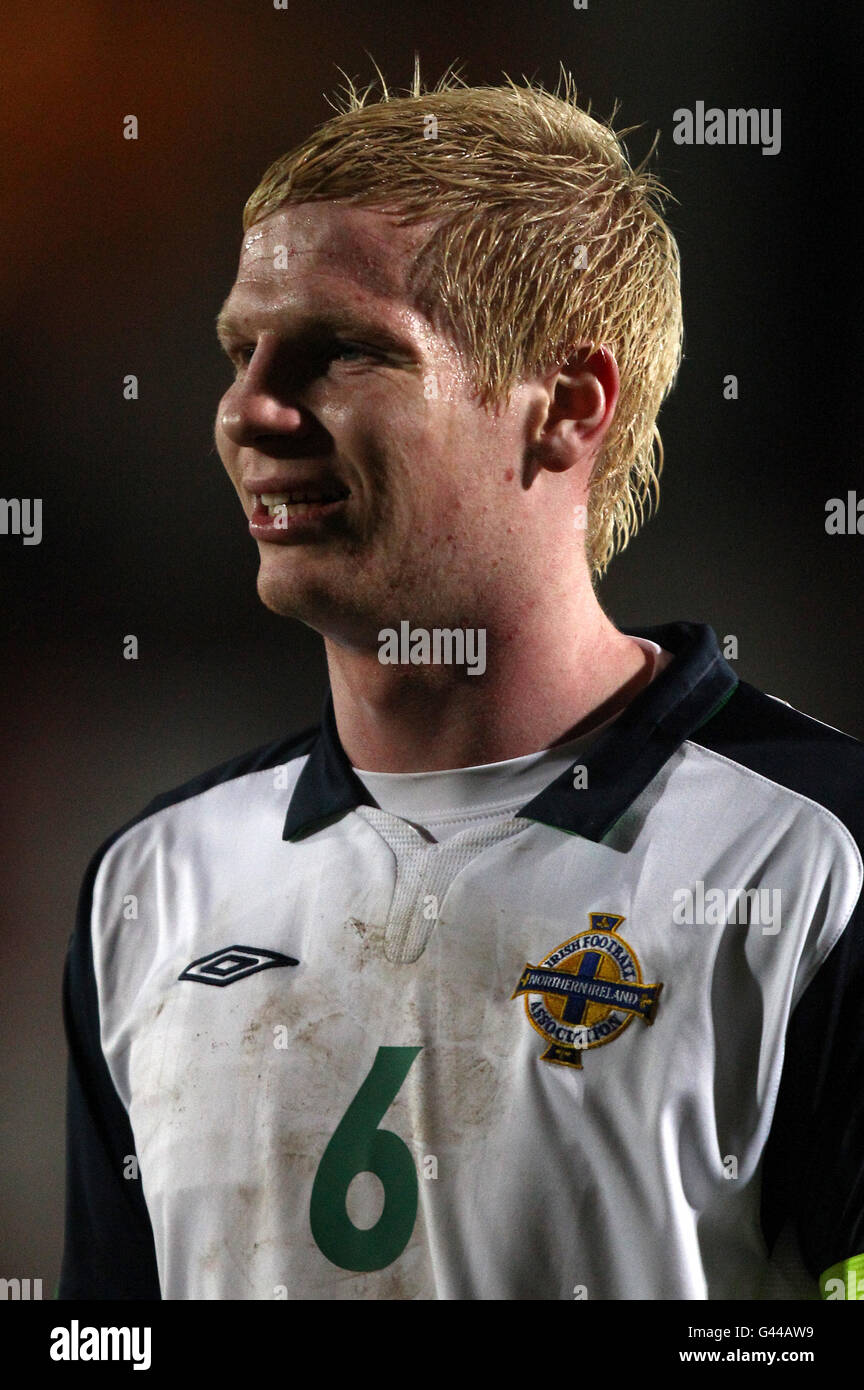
{"points": [[586, 992]]}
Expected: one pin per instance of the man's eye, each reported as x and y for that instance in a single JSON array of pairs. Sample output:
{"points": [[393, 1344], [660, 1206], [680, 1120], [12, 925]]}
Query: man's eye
{"points": [[241, 356], [348, 350]]}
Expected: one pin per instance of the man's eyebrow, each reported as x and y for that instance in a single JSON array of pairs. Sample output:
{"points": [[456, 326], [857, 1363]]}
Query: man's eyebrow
{"points": [[320, 325], [226, 325]]}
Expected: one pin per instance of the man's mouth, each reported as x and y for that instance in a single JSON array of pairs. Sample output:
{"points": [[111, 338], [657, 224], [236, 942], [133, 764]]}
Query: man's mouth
{"points": [[306, 511], [300, 501]]}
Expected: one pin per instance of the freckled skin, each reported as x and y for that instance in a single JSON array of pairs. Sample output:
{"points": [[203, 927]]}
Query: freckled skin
{"points": [[458, 516], [426, 524]]}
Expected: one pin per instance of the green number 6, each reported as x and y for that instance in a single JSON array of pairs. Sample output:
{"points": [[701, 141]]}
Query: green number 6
{"points": [[359, 1146]]}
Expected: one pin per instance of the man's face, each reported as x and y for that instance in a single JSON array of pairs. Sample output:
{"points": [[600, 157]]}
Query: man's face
{"points": [[403, 491]]}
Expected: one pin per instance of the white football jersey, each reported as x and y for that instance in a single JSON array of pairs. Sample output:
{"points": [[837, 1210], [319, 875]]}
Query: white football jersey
{"points": [[602, 1041]]}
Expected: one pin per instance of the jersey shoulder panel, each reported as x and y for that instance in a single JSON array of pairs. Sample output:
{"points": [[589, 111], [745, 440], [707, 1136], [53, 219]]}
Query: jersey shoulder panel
{"points": [[259, 759], [789, 747], [813, 1165], [109, 1249]]}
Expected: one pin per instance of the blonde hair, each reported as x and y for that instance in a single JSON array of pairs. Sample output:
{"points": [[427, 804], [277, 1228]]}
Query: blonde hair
{"points": [[545, 240]]}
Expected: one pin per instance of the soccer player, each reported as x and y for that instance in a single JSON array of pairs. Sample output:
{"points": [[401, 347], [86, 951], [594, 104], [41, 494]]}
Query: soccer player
{"points": [[535, 971]]}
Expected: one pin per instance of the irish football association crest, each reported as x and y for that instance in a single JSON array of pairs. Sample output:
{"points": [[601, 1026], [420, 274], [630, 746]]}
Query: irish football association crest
{"points": [[586, 992]]}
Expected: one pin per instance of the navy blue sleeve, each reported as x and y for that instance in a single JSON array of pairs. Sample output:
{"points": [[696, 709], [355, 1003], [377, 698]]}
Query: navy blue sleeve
{"points": [[108, 1250], [813, 1171], [813, 1167]]}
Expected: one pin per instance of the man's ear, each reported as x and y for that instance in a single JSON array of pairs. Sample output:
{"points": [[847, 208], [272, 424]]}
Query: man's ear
{"points": [[582, 394]]}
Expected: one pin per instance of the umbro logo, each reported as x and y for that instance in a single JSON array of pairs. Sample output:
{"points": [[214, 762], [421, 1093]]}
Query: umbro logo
{"points": [[232, 963]]}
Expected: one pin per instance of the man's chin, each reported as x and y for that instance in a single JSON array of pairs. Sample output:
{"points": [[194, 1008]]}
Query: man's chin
{"points": [[301, 581], [310, 603], [283, 597]]}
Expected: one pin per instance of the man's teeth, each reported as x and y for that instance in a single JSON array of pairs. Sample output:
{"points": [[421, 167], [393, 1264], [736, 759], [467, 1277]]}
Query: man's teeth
{"points": [[294, 503]]}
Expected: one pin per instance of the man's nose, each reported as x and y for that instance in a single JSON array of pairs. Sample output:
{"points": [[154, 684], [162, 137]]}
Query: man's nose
{"points": [[263, 402]]}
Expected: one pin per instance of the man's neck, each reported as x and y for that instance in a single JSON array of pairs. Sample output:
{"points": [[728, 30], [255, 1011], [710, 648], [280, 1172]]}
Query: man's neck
{"points": [[540, 687]]}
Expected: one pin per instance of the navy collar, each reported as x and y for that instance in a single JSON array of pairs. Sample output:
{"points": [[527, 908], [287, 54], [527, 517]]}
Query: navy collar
{"points": [[619, 763]]}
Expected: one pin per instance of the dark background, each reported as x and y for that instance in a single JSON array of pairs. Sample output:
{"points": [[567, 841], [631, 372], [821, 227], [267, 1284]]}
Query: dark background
{"points": [[115, 258]]}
